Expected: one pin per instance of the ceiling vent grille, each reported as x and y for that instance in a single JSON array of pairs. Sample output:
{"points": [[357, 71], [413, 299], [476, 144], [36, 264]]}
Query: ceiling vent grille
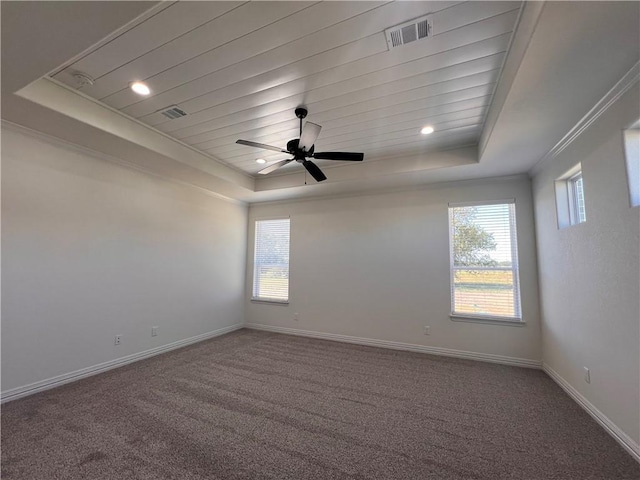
{"points": [[417, 29], [173, 112]]}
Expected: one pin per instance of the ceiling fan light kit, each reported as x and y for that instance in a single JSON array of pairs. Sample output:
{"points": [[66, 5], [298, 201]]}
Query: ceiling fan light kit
{"points": [[303, 148]]}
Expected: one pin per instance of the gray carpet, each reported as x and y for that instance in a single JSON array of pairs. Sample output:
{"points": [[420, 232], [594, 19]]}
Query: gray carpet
{"points": [[255, 405]]}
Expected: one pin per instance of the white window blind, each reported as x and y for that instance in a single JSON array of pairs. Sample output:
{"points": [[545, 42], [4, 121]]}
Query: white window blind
{"points": [[271, 260], [484, 261]]}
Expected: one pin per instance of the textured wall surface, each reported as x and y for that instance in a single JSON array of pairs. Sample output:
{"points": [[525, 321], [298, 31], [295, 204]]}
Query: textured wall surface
{"points": [[91, 249], [590, 272], [377, 266]]}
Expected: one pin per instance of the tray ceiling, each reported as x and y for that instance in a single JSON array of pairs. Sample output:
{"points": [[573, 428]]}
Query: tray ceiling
{"points": [[239, 69]]}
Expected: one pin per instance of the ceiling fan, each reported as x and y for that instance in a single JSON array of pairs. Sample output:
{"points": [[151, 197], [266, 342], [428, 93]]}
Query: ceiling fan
{"points": [[303, 148]]}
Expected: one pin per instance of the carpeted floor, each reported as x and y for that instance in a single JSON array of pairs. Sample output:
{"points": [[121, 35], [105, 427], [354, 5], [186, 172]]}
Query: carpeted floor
{"points": [[255, 405]]}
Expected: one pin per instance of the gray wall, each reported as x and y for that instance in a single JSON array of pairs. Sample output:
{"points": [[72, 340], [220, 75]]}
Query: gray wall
{"points": [[590, 273], [377, 267], [91, 249]]}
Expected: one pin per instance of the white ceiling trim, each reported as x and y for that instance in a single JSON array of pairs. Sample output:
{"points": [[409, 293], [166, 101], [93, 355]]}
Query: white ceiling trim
{"points": [[52, 94], [154, 10], [385, 166], [391, 190], [60, 142], [618, 90], [528, 17]]}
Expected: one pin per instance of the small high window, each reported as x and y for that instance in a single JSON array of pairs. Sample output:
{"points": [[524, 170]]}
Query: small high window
{"points": [[632, 155], [576, 199], [570, 200]]}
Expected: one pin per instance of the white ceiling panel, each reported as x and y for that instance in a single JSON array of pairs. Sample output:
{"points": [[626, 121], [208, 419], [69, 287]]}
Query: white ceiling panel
{"points": [[467, 60], [234, 25], [474, 107], [344, 42], [414, 120], [440, 76], [154, 31], [377, 108], [258, 73], [386, 63], [268, 64], [239, 69], [358, 100], [299, 26], [372, 143]]}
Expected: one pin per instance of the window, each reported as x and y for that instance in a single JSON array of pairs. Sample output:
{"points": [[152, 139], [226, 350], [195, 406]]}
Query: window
{"points": [[576, 199], [570, 202], [632, 155], [271, 261], [484, 261]]}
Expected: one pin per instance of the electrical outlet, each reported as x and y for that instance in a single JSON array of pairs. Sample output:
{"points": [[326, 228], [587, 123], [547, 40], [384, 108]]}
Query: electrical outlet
{"points": [[154, 331], [427, 330], [296, 317], [118, 340], [587, 375]]}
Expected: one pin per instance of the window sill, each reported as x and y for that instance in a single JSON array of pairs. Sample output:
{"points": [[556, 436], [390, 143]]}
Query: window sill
{"points": [[271, 301], [512, 322]]}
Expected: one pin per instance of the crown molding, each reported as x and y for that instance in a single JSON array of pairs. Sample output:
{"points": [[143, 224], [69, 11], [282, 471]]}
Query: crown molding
{"points": [[623, 85], [395, 190], [62, 143], [57, 96]]}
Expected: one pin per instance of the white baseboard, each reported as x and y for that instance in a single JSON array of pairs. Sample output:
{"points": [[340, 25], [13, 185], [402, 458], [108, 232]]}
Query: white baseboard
{"points": [[611, 428], [19, 392], [410, 347]]}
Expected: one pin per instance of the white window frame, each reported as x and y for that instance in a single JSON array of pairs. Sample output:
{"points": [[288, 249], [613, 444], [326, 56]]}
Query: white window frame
{"points": [[632, 160], [255, 287], [575, 192], [517, 319], [569, 187]]}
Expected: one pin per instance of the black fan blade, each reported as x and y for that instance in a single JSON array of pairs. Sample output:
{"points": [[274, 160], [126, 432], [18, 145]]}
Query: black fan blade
{"points": [[309, 136], [313, 169], [275, 166], [260, 145], [348, 156]]}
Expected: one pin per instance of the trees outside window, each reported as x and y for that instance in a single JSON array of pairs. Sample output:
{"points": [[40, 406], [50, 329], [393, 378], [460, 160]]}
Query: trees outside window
{"points": [[484, 261]]}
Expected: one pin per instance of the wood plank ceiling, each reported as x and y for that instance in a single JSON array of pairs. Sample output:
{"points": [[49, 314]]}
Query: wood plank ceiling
{"points": [[239, 69]]}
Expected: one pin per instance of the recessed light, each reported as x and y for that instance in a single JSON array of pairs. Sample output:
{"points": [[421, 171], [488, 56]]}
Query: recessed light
{"points": [[140, 88], [426, 130], [261, 160]]}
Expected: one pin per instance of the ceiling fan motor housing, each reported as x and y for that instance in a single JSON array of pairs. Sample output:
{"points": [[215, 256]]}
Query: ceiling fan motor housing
{"points": [[292, 148]]}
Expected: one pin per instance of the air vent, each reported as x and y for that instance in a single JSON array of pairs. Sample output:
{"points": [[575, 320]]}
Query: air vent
{"points": [[408, 32], [173, 112]]}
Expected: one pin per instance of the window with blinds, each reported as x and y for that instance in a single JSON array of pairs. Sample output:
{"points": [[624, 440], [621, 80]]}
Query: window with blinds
{"points": [[484, 261], [271, 260], [632, 156]]}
